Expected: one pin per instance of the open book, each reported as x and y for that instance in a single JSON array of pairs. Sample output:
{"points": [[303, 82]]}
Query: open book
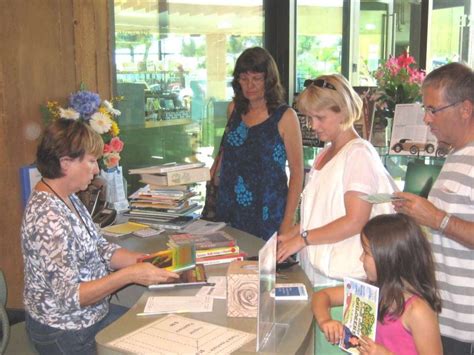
{"points": [[188, 278], [359, 315], [177, 258]]}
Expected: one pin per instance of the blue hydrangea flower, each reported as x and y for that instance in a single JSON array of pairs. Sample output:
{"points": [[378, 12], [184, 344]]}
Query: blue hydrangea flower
{"points": [[265, 213], [238, 136], [244, 196], [85, 102], [279, 155]]}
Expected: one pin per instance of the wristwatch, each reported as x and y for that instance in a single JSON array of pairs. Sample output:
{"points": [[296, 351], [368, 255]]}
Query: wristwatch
{"points": [[304, 235]]}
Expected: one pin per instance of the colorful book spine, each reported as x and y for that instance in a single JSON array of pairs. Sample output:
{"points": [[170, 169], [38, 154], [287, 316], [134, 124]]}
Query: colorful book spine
{"points": [[217, 251], [173, 259], [220, 259]]}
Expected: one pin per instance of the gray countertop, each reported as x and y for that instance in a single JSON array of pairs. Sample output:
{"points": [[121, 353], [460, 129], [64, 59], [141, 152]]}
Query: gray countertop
{"points": [[293, 317]]}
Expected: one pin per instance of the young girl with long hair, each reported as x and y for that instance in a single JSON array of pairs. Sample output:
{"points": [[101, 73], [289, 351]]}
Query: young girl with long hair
{"points": [[397, 258]]}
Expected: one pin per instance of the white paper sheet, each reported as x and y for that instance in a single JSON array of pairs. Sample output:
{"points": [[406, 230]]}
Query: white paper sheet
{"points": [[219, 290], [178, 304], [175, 334]]}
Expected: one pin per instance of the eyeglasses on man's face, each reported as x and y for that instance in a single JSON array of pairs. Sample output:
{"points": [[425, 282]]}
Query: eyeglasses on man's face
{"points": [[320, 83], [257, 79], [433, 110]]}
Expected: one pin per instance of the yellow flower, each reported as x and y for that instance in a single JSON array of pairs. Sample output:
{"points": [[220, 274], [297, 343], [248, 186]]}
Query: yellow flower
{"points": [[53, 107], [114, 129]]}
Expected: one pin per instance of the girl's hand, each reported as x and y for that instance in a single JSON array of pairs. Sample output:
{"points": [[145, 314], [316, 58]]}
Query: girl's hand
{"points": [[369, 347], [289, 247], [333, 330]]}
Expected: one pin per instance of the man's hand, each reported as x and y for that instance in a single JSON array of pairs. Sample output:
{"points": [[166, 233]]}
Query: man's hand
{"points": [[422, 210]]}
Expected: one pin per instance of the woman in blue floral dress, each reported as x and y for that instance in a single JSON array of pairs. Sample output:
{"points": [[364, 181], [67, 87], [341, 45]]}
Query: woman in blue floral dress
{"points": [[263, 134]]}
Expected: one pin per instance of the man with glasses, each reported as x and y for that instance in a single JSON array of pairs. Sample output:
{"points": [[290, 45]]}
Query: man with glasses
{"points": [[448, 98]]}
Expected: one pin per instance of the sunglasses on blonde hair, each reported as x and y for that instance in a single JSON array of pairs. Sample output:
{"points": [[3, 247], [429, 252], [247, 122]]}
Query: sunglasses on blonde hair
{"points": [[320, 83]]}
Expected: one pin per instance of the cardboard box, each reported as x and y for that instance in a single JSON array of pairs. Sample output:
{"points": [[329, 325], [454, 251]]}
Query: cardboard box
{"points": [[242, 289]]}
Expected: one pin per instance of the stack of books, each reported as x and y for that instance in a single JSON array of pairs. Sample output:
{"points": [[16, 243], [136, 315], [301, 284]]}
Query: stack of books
{"points": [[162, 203], [168, 193], [212, 248], [173, 174]]}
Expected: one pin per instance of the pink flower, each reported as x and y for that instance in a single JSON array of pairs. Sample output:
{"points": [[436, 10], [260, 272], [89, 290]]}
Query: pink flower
{"points": [[116, 144], [405, 60], [111, 160], [107, 148]]}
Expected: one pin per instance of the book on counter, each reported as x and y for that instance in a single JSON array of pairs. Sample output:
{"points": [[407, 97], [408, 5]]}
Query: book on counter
{"points": [[203, 241], [221, 259], [359, 313], [177, 258], [202, 253], [162, 212], [188, 278], [168, 189], [165, 168], [180, 177]]}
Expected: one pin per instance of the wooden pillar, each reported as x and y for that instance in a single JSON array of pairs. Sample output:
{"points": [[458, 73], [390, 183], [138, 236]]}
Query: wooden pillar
{"points": [[48, 48]]}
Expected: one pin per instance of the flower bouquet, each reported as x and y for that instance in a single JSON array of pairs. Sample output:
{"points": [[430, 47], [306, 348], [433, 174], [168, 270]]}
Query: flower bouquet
{"points": [[398, 82], [100, 115]]}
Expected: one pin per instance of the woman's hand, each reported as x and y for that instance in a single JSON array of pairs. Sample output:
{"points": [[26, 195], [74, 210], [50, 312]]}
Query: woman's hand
{"points": [[284, 237], [333, 330], [369, 347], [288, 247], [147, 274]]}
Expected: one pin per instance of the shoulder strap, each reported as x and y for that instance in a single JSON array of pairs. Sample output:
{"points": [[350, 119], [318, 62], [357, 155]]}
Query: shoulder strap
{"points": [[278, 113], [217, 161]]}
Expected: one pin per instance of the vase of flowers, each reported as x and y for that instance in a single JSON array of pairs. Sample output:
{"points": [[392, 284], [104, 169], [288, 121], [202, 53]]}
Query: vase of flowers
{"points": [[398, 82], [102, 117]]}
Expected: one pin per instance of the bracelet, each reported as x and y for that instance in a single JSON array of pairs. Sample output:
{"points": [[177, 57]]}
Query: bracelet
{"points": [[304, 235], [444, 222]]}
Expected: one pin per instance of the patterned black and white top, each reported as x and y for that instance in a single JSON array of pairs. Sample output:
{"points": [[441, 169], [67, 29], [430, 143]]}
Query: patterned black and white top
{"points": [[59, 253]]}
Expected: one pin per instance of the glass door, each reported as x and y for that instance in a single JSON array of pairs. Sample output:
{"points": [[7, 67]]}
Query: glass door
{"points": [[319, 33], [451, 34], [381, 28]]}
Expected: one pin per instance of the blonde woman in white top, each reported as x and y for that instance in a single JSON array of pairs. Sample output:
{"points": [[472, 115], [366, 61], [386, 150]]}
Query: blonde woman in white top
{"points": [[332, 210]]}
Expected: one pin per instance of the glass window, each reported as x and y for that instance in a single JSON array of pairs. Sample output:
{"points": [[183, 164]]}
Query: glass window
{"points": [[174, 61], [378, 28], [318, 39], [450, 33]]}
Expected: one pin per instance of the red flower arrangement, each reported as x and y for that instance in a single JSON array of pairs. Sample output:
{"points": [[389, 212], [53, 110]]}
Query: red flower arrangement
{"points": [[398, 82]]}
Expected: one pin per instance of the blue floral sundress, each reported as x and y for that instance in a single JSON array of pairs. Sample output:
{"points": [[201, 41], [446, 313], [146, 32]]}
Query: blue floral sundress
{"points": [[253, 185]]}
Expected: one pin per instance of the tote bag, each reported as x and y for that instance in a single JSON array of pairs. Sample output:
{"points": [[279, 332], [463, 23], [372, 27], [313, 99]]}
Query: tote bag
{"points": [[212, 186]]}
